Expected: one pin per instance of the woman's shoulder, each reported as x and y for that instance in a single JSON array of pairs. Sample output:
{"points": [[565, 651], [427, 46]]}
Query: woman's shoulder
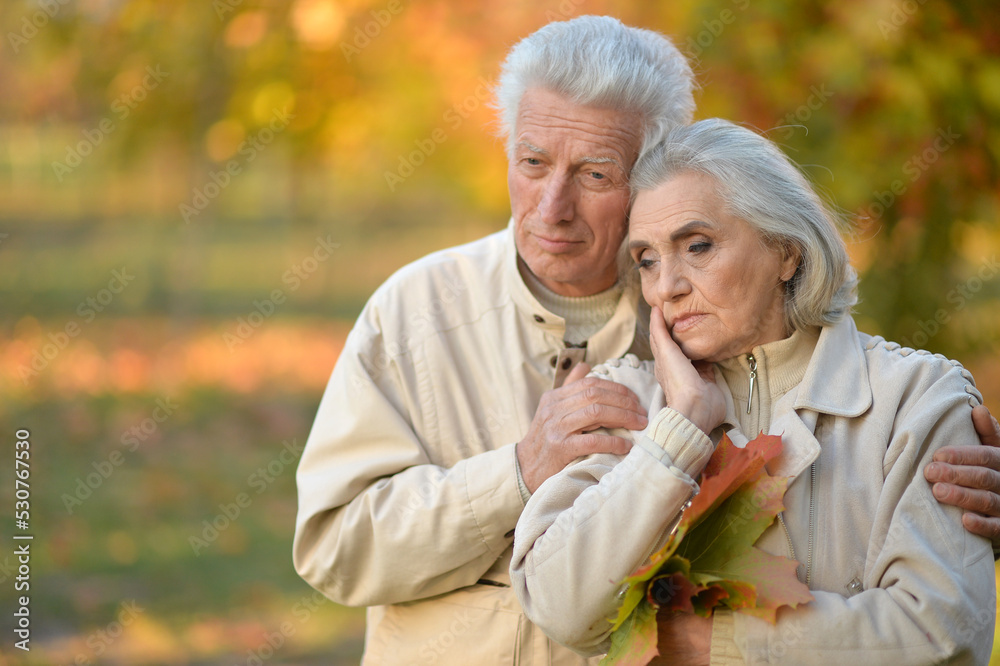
{"points": [[894, 366]]}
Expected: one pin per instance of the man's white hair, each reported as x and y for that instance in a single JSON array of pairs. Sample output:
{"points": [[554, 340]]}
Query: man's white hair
{"points": [[598, 61]]}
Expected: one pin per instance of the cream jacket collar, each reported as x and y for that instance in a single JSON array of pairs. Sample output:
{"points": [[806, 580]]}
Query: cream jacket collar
{"points": [[836, 382]]}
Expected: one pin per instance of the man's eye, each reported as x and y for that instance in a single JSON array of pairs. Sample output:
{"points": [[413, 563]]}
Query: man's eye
{"points": [[597, 176], [533, 161]]}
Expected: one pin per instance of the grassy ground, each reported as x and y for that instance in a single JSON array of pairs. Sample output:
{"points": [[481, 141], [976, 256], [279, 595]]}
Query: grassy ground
{"points": [[135, 445], [163, 495]]}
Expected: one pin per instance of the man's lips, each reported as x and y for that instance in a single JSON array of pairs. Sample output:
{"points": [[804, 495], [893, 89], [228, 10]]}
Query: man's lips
{"points": [[556, 245], [686, 322]]}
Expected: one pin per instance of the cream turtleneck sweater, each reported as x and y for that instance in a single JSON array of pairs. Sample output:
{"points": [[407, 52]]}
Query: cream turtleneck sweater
{"points": [[779, 366], [584, 315]]}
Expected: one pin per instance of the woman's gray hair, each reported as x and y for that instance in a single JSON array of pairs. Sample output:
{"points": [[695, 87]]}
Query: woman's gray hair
{"points": [[761, 185], [598, 61]]}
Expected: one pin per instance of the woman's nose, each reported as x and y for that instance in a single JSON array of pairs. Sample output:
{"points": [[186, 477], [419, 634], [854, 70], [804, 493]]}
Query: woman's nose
{"points": [[671, 283]]}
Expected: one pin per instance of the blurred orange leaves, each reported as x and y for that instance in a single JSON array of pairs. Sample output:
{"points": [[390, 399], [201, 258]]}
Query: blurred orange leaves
{"points": [[153, 355]]}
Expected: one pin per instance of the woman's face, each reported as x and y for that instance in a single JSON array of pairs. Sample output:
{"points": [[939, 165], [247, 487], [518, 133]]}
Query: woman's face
{"points": [[721, 290]]}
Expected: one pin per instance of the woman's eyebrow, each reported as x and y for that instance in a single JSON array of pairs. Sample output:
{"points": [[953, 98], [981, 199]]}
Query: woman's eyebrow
{"points": [[688, 229]]}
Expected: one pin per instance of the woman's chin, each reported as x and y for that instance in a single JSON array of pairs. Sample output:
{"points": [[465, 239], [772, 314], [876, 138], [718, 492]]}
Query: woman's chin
{"points": [[704, 350], [693, 349]]}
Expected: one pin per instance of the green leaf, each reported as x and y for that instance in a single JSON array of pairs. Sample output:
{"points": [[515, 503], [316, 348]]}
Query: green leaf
{"points": [[634, 643], [736, 524], [728, 469]]}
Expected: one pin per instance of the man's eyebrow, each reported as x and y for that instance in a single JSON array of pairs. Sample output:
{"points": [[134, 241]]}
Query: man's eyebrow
{"points": [[533, 148], [584, 160], [601, 160]]}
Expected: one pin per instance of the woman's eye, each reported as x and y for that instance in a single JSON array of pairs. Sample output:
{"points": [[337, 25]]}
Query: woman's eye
{"points": [[643, 263], [699, 247]]}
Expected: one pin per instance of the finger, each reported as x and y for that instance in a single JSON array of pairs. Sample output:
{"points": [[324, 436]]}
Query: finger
{"points": [[657, 326], [665, 349], [977, 478], [596, 415], [600, 391], [986, 426], [579, 371], [983, 526], [973, 456], [979, 501], [592, 442]]}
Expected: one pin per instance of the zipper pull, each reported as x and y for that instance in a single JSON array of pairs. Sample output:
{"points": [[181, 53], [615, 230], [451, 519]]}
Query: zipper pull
{"points": [[753, 376]]}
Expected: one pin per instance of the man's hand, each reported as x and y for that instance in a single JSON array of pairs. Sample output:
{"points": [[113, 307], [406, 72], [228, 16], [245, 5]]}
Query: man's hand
{"points": [[560, 431], [684, 639], [969, 478]]}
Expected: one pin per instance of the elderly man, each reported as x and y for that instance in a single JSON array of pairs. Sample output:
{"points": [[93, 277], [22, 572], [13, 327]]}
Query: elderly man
{"points": [[461, 387]]}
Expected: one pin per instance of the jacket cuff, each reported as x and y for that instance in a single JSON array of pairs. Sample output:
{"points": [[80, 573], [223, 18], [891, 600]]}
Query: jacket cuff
{"points": [[724, 650], [493, 496], [521, 486], [672, 439]]}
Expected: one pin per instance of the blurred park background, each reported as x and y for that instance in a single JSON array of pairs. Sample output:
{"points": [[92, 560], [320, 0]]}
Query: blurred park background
{"points": [[197, 198]]}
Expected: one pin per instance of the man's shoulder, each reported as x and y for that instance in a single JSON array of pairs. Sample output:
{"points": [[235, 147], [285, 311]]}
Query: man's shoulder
{"points": [[479, 257], [449, 287]]}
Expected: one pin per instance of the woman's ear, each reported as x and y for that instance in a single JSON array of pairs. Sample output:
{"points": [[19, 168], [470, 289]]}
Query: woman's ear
{"points": [[791, 258]]}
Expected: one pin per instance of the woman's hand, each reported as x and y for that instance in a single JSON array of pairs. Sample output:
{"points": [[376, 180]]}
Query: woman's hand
{"points": [[689, 386]]}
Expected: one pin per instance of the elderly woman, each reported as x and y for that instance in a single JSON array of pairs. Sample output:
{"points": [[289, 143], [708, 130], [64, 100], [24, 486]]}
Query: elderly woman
{"points": [[750, 290]]}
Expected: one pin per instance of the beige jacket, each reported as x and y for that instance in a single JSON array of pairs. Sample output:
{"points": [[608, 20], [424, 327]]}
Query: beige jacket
{"points": [[408, 495], [896, 578]]}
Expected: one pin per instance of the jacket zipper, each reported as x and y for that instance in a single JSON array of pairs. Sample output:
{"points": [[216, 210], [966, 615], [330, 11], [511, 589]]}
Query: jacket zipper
{"points": [[812, 522], [791, 548], [668, 531], [812, 490]]}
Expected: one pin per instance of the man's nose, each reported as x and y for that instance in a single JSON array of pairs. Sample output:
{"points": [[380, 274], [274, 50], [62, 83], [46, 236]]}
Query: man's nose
{"points": [[558, 200]]}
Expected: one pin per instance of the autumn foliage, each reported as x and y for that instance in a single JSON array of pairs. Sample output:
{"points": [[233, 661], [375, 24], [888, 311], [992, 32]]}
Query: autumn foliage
{"points": [[709, 561]]}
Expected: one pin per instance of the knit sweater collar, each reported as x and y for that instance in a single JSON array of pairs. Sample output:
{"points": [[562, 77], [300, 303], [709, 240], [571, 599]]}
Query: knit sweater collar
{"points": [[584, 315], [780, 366]]}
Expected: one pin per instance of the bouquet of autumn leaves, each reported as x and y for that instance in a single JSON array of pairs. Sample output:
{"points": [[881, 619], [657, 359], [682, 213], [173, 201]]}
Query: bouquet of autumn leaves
{"points": [[709, 561]]}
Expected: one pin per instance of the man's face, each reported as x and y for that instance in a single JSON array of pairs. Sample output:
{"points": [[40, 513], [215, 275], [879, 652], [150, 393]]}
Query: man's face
{"points": [[568, 181]]}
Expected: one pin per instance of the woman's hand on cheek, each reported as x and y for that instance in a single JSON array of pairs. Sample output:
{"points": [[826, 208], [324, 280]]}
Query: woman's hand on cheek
{"points": [[689, 386]]}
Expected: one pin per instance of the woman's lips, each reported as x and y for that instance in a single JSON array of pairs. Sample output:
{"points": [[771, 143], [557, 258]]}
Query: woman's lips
{"points": [[686, 322]]}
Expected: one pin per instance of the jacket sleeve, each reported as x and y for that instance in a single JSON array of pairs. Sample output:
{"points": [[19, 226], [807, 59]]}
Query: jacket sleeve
{"points": [[377, 522], [590, 526], [928, 588]]}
